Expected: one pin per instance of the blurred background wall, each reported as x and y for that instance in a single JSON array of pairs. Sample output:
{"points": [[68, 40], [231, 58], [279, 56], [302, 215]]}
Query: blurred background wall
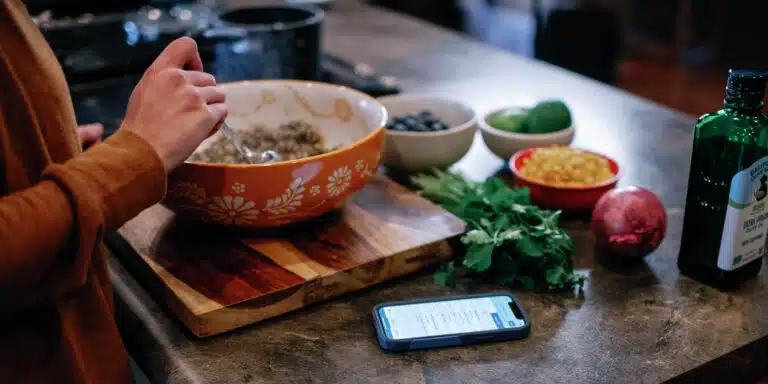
{"points": [[676, 52]]}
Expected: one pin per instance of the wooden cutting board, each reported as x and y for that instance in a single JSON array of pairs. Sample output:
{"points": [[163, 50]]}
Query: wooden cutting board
{"points": [[216, 280]]}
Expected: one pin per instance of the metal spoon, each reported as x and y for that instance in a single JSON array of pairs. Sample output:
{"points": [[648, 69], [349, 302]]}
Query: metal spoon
{"points": [[253, 157]]}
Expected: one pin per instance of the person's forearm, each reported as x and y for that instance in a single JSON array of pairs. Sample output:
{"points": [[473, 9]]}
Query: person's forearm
{"points": [[36, 226], [49, 232]]}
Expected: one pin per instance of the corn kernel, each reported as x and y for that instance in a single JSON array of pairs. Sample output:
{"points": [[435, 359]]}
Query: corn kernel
{"points": [[565, 166]]}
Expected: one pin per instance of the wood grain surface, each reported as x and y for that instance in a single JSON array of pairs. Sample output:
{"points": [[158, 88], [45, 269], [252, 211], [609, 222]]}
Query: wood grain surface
{"points": [[216, 280]]}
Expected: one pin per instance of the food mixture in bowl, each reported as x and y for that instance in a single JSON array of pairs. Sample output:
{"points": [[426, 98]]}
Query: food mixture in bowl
{"points": [[564, 166], [294, 140]]}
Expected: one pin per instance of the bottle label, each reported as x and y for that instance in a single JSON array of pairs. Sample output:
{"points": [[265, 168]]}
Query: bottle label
{"points": [[746, 218]]}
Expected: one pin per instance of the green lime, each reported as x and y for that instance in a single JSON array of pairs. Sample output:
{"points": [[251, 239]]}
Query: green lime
{"points": [[508, 121], [548, 116]]}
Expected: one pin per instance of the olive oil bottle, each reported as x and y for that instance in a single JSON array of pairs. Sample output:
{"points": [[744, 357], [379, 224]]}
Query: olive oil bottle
{"points": [[726, 209]]}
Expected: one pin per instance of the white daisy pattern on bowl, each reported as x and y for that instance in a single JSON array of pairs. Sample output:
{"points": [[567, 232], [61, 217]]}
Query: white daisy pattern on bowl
{"points": [[238, 188], [232, 210], [315, 190], [339, 181], [363, 169], [290, 199]]}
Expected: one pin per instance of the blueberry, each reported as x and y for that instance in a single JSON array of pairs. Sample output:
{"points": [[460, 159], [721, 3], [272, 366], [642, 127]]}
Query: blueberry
{"points": [[423, 121], [436, 126], [422, 128]]}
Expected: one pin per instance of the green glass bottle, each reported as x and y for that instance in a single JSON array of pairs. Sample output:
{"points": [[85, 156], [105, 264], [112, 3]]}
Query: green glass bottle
{"points": [[726, 209]]}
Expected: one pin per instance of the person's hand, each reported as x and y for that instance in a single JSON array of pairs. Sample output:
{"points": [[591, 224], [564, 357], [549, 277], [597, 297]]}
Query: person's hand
{"points": [[89, 134], [176, 105]]}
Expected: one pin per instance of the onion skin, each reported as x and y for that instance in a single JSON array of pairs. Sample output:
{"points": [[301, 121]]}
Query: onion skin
{"points": [[628, 223]]}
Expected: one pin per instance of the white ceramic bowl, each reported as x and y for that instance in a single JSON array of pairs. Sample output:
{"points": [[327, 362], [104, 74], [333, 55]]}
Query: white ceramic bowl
{"points": [[421, 151], [505, 144]]}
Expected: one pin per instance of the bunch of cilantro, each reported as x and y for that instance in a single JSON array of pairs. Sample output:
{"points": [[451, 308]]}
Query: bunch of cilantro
{"points": [[508, 240]]}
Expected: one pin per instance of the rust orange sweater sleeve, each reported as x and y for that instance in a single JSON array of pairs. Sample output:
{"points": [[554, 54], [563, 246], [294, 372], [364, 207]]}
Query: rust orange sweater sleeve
{"points": [[49, 232]]}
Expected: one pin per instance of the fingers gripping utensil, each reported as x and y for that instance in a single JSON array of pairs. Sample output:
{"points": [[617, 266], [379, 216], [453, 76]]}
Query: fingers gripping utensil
{"points": [[253, 157]]}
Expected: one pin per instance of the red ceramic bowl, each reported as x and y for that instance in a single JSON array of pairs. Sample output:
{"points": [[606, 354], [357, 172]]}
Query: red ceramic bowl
{"points": [[558, 197]]}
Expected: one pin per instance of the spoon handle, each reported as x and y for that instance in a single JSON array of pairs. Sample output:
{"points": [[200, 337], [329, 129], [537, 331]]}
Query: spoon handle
{"points": [[251, 156], [227, 132]]}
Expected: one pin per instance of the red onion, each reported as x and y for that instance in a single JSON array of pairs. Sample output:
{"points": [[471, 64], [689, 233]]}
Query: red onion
{"points": [[628, 223]]}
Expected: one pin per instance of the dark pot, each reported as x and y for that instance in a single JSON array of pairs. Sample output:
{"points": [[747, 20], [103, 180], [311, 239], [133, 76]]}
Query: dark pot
{"points": [[267, 42]]}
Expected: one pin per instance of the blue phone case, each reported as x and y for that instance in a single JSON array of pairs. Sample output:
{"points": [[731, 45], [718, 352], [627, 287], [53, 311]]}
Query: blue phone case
{"points": [[450, 340]]}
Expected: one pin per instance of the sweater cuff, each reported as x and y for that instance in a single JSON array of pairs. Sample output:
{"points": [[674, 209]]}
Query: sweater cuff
{"points": [[124, 174]]}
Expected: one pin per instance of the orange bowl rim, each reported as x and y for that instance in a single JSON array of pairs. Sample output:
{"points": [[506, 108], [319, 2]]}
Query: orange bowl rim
{"points": [[371, 136], [612, 181]]}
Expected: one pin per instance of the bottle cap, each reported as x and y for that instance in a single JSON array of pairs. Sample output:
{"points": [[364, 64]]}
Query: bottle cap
{"points": [[746, 86]]}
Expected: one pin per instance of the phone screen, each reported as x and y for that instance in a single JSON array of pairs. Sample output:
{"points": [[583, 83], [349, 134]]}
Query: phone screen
{"points": [[448, 317]]}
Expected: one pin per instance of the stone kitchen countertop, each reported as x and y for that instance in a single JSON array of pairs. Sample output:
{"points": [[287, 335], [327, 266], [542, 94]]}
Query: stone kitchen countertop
{"points": [[644, 325]]}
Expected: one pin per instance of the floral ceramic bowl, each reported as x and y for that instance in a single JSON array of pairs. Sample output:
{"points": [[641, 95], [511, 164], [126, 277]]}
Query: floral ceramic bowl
{"points": [[269, 195]]}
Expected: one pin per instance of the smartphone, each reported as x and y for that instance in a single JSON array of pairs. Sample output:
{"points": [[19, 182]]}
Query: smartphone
{"points": [[449, 321]]}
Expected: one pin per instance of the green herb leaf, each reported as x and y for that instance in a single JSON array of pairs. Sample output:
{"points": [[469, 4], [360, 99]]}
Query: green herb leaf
{"points": [[528, 247], [555, 276], [511, 234], [445, 275], [479, 257], [477, 236], [508, 239]]}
